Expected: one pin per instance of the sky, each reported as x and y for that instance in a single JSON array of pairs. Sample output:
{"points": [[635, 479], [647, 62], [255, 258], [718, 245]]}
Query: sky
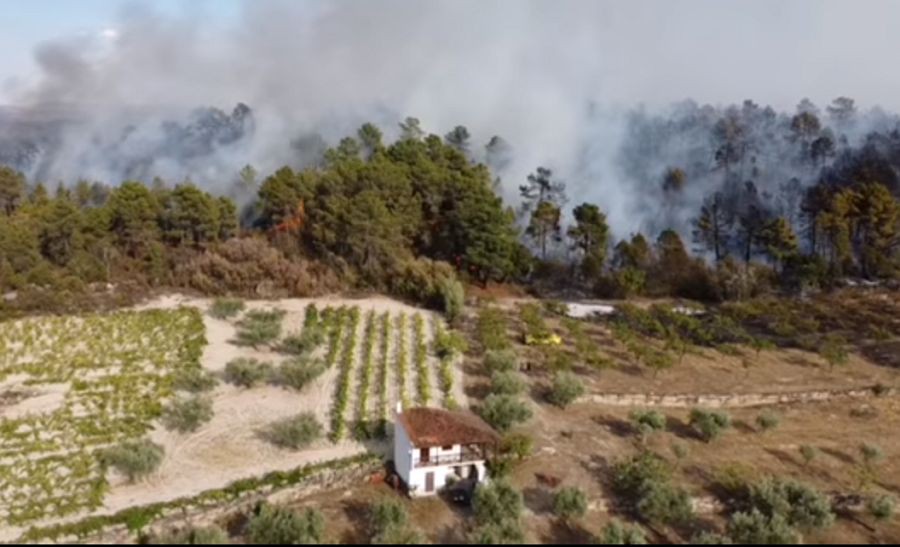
{"points": [[27, 23], [776, 51]]}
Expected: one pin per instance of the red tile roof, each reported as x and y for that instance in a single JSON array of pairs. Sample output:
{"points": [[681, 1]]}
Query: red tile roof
{"points": [[427, 427]]}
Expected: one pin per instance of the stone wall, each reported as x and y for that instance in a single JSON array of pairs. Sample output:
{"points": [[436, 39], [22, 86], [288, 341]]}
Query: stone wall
{"points": [[206, 515], [732, 400]]}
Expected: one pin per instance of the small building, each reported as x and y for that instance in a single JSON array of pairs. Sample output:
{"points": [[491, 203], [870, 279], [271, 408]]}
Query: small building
{"points": [[435, 448]]}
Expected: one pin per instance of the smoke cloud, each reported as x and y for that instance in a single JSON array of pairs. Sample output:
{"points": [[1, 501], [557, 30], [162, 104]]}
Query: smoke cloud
{"points": [[560, 81]]}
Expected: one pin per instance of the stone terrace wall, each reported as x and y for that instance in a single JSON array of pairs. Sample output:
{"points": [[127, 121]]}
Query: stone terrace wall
{"points": [[733, 400]]}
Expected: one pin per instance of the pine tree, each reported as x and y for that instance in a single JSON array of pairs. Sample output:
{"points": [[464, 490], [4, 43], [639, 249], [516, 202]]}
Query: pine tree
{"points": [[590, 237]]}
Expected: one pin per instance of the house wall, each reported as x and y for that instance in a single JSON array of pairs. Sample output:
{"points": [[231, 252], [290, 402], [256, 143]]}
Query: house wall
{"points": [[406, 457], [441, 474], [402, 453], [436, 452]]}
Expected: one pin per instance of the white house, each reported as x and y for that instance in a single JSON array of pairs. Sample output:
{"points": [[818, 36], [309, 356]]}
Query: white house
{"points": [[434, 448]]}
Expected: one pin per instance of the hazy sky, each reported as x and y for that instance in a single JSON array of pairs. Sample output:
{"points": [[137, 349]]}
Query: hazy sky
{"points": [[552, 77], [26, 23], [655, 50]]}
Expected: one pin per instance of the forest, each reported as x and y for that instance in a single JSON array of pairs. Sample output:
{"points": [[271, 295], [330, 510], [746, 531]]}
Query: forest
{"points": [[746, 201]]}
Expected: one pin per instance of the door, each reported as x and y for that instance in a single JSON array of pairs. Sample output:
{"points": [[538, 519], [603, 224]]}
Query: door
{"points": [[424, 454], [429, 481]]}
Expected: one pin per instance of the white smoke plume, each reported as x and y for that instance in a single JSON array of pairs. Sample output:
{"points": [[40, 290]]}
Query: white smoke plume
{"points": [[554, 79]]}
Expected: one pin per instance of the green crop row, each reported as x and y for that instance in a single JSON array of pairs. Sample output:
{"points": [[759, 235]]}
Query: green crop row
{"points": [[118, 368], [366, 372], [342, 391], [446, 354], [401, 360], [383, 364], [420, 355]]}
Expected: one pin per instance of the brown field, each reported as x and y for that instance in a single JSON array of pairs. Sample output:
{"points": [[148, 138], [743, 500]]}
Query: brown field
{"points": [[579, 444]]}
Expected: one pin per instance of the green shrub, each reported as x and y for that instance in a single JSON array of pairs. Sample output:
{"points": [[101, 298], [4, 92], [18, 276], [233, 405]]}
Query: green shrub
{"points": [[881, 507], [755, 528], [399, 536], [209, 535], [557, 359], [259, 327], [134, 459], [631, 476], [491, 329], [565, 390], [504, 360], [226, 308], [647, 422], [767, 421], [303, 343], [709, 424], [808, 453], [453, 298], [569, 503], [871, 454], [504, 411], [834, 351], [295, 432], [679, 451], [507, 383], [246, 372], [448, 343], [517, 445], [644, 483], [274, 525], [297, 373], [710, 538], [500, 467], [496, 503], [556, 307], [616, 533], [193, 380], [387, 514], [389, 523], [802, 507], [505, 533], [187, 414], [535, 327], [665, 504]]}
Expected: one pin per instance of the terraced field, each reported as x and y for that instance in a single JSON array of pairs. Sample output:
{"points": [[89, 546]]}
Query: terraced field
{"points": [[73, 386], [87, 383]]}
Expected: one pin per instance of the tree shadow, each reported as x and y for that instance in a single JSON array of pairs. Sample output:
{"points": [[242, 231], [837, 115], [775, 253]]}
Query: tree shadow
{"points": [[802, 361], [357, 513], [538, 500], [629, 368], [452, 535], [600, 467], [681, 429], [562, 533], [743, 427], [539, 393], [478, 390], [236, 523], [838, 455], [616, 426], [784, 457]]}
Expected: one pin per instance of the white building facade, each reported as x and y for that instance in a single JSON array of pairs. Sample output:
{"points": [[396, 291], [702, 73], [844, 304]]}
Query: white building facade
{"points": [[436, 448]]}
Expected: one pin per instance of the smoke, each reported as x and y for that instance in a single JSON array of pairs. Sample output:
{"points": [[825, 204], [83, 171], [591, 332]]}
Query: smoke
{"points": [[568, 84]]}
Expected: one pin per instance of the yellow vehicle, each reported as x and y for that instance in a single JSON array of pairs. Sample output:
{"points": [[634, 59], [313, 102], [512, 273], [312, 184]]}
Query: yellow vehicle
{"points": [[546, 340]]}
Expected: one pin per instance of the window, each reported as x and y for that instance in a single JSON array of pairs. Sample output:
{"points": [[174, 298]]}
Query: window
{"points": [[447, 448]]}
